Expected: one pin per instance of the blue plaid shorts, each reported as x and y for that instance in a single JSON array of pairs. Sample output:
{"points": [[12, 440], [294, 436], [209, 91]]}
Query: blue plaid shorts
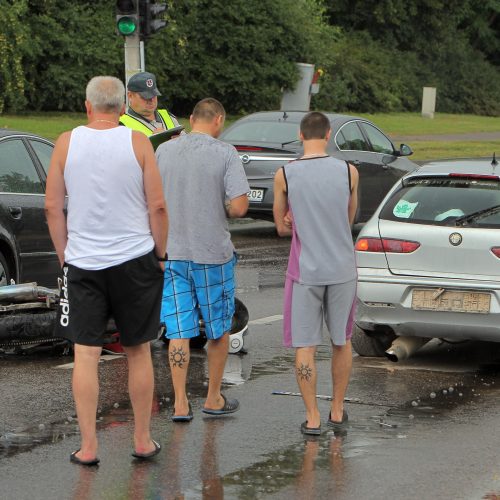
{"points": [[191, 289]]}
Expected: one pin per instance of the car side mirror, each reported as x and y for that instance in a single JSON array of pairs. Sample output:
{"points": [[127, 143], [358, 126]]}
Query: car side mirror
{"points": [[405, 150]]}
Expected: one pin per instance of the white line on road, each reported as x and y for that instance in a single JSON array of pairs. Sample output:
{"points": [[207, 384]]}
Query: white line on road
{"points": [[267, 319], [105, 357]]}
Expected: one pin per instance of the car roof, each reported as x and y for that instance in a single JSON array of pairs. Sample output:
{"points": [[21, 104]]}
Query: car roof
{"points": [[295, 116], [7, 132], [458, 166]]}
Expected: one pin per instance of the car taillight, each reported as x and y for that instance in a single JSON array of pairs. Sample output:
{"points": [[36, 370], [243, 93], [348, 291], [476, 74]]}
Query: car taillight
{"points": [[386, 245], [248, 148], [496, 251], [476, 176]]}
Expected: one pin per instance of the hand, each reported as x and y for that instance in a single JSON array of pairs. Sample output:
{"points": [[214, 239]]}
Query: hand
{"points": [[158, 130], [288, 220], [162, 265]]}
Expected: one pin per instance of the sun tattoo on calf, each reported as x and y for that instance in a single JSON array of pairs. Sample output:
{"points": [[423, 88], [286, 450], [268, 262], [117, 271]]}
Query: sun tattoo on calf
{"points": [[304, 372], [178, 357]]}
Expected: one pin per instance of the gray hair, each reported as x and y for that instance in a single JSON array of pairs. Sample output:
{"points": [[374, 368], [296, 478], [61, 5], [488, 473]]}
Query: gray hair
{"points": [[106, 94]]}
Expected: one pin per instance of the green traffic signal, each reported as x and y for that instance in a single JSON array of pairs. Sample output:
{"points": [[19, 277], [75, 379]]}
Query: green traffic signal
{"points": [[126, 25]]}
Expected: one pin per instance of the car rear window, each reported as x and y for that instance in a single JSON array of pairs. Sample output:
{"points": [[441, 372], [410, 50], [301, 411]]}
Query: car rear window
{"points": [[263, 131], [442, 200]]}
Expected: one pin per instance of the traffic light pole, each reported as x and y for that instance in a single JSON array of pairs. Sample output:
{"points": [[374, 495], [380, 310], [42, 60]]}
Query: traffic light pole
{"points": [[134, 56]]}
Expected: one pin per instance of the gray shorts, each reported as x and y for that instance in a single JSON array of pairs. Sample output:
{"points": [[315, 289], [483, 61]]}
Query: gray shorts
{"points": [[305, 306]]}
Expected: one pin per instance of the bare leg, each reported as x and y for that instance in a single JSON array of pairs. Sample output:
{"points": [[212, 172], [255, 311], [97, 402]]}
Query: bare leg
{"points": [[305, 367], [217, 355], [341, 371], [178, 357], [86, 394], [140, 388]]}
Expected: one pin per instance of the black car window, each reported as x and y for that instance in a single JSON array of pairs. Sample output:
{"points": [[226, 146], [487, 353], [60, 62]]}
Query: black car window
{"points": [[442, 200], [17, 172], [380, 143], [351, 138], [43, 151], [262, 131]]}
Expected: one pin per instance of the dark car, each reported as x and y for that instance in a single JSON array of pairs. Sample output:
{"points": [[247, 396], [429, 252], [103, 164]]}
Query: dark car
{"points": [[26, 250], [268, 140]]}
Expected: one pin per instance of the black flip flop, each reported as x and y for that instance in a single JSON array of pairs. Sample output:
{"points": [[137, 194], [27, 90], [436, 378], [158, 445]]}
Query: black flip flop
{"points": [[151, 454], [310, 431], [230, 406], [183, 418], [89, 463], [335, 423]]}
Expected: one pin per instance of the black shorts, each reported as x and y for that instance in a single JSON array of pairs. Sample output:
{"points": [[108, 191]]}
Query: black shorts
{"points": [[130, 292]]}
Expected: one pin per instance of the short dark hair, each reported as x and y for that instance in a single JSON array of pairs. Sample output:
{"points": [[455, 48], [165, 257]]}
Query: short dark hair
{"points": [[314, 125], [207, 109]]}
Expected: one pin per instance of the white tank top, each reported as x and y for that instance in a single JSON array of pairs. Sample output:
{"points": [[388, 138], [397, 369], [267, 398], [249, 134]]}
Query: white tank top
{"points": [[108, 221]]}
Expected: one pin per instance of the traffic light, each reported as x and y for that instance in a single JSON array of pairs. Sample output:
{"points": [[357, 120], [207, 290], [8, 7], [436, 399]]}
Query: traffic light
{"points": [[149, 13], [127, 17]]}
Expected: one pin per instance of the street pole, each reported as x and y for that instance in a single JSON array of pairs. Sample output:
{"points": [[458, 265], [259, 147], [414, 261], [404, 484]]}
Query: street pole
{"points": [[134, 56]]}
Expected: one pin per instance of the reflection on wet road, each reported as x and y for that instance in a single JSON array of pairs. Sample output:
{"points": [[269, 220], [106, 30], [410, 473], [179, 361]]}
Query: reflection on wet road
{"points": [[424, 428]]}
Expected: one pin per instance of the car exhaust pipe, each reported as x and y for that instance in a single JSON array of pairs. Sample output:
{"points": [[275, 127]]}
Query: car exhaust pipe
{"points": [[404, 347], [25, 292]]}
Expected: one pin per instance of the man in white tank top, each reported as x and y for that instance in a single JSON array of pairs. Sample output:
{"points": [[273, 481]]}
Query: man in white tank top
{"points": [[315, 201], [110, 247]]}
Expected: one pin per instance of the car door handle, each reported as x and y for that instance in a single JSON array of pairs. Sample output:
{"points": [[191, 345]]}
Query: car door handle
{"points": [[16, 212]]}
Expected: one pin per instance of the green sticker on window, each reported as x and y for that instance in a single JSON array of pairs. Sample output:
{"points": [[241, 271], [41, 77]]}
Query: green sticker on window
{"points": [[404, 209]]}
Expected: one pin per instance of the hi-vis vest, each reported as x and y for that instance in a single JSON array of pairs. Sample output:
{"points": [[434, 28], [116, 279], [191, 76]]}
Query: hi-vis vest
{"points": [[143, 126]]}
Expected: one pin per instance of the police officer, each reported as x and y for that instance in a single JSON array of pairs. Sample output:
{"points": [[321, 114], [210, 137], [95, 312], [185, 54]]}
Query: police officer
{"points": [[142, 114]]}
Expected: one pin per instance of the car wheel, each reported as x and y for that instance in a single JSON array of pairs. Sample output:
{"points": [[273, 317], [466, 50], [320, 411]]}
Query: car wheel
{"points": [[4, 271], [366, 345]]}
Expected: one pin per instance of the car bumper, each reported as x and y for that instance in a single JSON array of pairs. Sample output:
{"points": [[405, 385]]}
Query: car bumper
{"points": [[385, 300]]}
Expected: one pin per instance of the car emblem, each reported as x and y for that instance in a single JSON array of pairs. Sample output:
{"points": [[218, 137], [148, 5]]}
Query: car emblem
{"points": [[455, 239], [245, 158]]}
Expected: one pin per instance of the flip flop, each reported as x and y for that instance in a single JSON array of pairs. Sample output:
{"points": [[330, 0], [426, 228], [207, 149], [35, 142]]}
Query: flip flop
{"points": [[74, 459], [183, 418], [151, 454], [310, 431], [230, 406], [335, 423]]}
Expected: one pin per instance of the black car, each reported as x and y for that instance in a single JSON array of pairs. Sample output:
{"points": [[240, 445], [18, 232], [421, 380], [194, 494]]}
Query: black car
{"points": [[268, 140], [26, 250]]}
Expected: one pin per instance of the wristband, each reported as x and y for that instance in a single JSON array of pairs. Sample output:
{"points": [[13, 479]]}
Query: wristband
{"points": [[163, 259]]}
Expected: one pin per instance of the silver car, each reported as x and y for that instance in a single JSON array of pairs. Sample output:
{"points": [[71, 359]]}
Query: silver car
{"points": [[429, 260]]}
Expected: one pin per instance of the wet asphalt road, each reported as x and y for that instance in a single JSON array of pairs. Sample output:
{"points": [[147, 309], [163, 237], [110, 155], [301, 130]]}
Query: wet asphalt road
{"points": [[426, 428]]}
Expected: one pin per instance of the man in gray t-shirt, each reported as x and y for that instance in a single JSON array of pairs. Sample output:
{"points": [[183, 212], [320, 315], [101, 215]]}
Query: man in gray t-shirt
{"points": [[204, 182]]}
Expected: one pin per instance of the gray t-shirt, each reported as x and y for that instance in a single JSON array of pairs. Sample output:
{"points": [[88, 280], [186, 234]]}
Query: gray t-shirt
{"points": [[199, 173]]}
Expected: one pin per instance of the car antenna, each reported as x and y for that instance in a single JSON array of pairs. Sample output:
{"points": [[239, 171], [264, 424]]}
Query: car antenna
{"points": [[285, 116], [494, 162]]}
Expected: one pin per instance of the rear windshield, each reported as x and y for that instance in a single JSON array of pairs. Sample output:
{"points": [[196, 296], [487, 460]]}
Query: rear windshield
{"points": [[262, 131], [442, 200]]}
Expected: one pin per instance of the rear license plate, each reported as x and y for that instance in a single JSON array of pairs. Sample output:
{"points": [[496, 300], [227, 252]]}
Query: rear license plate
{"points": [[256, 195], [452, 301]]}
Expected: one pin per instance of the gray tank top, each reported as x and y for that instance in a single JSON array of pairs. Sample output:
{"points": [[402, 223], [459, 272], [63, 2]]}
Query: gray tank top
{"points": [[322, 250]]}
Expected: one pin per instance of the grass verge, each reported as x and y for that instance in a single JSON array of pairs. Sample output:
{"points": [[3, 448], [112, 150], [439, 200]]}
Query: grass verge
{"points": [[50, 125]]}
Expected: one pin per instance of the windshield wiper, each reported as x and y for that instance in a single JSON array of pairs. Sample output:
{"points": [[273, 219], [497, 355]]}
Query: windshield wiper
{"points": [[283, 144], [480, 214]]}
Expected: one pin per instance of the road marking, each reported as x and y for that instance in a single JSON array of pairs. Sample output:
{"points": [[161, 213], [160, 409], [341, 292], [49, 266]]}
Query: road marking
{"points": [[267, 319], [105, 357]]}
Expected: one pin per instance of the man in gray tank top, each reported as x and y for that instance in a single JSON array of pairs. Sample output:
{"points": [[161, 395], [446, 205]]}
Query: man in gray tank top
{"points": [[315, 201]]}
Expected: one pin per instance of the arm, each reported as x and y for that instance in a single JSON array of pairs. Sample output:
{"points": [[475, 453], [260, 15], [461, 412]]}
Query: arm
{"points": [[155, 200], [353, 200], [280, 206], [55, 194], [237, 207]]}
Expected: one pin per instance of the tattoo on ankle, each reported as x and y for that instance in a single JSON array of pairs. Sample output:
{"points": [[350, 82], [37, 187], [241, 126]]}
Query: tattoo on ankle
{"points": [[178, 357], [304, 372]]}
